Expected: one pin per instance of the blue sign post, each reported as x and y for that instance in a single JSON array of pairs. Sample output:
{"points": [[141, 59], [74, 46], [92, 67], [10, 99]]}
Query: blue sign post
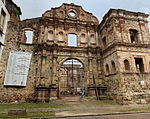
{"points": [[83, 92]]}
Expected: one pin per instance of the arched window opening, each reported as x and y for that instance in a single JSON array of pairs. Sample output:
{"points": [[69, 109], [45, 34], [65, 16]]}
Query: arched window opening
{"points": [[50, 35], [104, 42], [126, 65], [133, 35], [72, 14], [60, 36], [83, 38], [92, 38], [113, 66], [72, 77], [2, 19], [139, 65], [28, 36], [72, 40], [107, 68]]}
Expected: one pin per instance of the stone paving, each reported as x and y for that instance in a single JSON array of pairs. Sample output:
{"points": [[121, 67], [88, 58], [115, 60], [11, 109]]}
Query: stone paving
{"points": [[122, 116]]}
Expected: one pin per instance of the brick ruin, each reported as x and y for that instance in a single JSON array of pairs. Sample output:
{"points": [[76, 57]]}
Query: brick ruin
{"points": [[115, 53]]}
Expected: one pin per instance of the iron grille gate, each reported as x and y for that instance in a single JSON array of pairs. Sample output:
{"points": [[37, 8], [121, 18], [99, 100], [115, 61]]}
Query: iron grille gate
{"points": [[72, 78]]}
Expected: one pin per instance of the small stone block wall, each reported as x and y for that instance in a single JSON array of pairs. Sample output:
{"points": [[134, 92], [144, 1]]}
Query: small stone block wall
{"points": [[17, 112]]}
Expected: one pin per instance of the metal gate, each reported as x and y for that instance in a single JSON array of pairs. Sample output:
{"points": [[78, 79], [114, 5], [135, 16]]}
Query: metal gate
{"points": [[72, 78]]}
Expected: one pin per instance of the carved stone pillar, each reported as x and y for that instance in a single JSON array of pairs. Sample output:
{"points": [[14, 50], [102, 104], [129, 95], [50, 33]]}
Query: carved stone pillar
{"points": [[96, 39], [45, 34], [88, 33], [55, 31], [54, 69], [98, 60], [90, 74], [55, 77], [58, 89]]}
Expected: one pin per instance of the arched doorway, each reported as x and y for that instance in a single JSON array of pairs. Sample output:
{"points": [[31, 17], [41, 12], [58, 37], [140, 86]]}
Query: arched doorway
{"points": [[71, 78]]}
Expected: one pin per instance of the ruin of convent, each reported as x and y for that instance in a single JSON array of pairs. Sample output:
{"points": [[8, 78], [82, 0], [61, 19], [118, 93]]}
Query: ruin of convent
{"points": [[67, 51]]}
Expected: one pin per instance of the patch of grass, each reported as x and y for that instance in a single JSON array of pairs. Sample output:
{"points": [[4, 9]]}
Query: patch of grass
{"points": [[30, 115], [4, 107]]}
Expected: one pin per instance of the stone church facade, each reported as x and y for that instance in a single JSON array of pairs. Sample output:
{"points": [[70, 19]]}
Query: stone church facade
{"points": [[114, 54]]}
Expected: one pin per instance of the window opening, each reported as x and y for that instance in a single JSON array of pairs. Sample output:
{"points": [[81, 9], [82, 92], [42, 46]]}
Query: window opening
{"points": [[60, 36], [133, 35], [72, 14], [2, 19], [28, 36], [113, 66], [83, 38], [107, 68], [104, 41], [126, 65], [92, 38], [72, 78], [50, 35], [72, 40], [139, 65]]}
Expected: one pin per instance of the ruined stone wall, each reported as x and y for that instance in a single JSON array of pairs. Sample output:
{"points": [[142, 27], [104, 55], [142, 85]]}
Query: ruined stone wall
{"points": [[133, 52], [135, 91], [124, 85], [58, 23], [49, 48], [106, 30], [13, 38], [117, 23], [108, 53], [111, 73]]}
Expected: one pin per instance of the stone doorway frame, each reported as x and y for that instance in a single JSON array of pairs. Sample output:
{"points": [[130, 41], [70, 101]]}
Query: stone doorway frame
{"points": [[85, 73]]}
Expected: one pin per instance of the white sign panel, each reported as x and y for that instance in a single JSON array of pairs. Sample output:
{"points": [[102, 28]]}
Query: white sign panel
{"points": [[17, 68]]}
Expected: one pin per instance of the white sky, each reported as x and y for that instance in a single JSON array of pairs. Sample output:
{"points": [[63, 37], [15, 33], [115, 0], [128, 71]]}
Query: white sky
{"points": [[35, 8]]}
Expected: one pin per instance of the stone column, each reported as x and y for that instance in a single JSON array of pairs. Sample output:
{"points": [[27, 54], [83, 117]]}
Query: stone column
{"points": [[86, 79], [96, 39], [45, 34], [90, 74], [99, 62], [88, 36], [55, 78], [141, 32], [54, 69], [114, 24], [55, 31], [40, 66], [121, 29], [58, 90]]}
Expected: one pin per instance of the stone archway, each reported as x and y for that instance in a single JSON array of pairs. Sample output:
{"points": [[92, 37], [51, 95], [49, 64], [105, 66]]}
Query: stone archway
{"points": [[71, 80]]}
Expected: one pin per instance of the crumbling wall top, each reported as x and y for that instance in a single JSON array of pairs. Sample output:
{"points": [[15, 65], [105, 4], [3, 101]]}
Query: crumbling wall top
{"points": [[71, 12], [120, 13]]}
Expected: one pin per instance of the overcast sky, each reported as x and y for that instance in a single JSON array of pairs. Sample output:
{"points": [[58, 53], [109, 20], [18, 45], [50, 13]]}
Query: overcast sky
{"points": [[35, 8]]}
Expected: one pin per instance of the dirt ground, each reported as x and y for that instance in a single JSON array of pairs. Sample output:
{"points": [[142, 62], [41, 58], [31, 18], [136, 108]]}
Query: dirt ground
{"points": [[76, 106]]}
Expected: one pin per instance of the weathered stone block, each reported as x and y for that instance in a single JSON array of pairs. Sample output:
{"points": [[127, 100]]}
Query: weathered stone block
{"points": [[17, 112]]}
